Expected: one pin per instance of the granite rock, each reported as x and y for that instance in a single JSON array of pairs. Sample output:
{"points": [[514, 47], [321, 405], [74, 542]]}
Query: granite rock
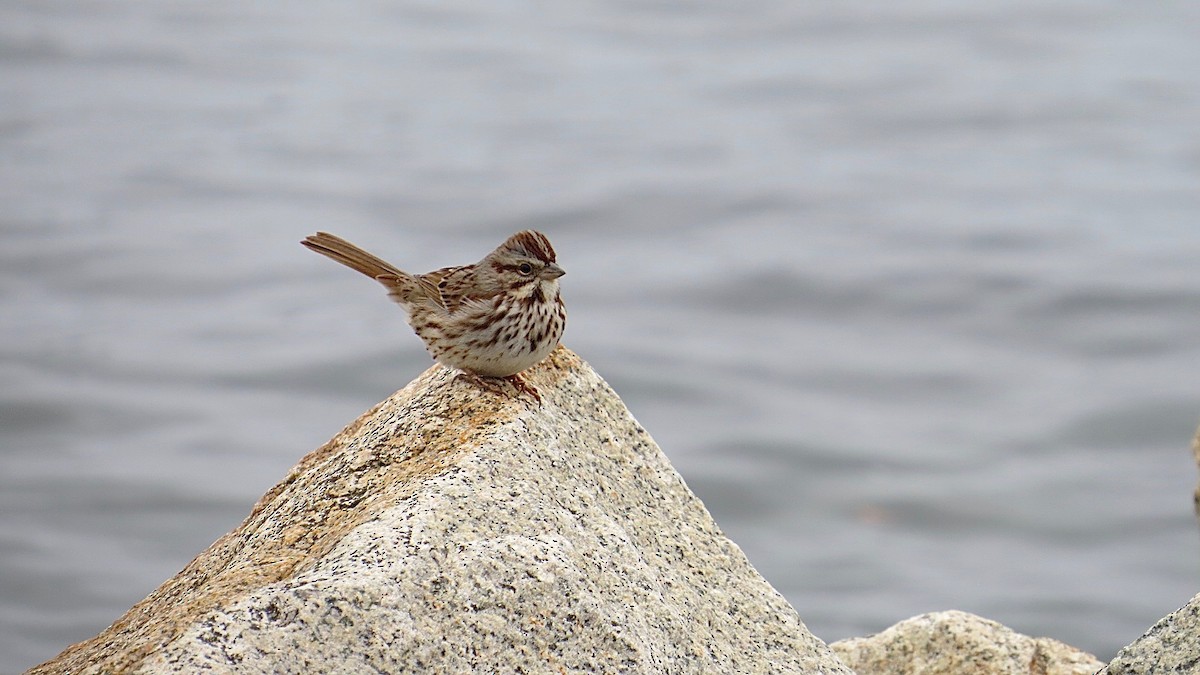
{"points": [[953, 642], [1170, 646], [452, 529]]}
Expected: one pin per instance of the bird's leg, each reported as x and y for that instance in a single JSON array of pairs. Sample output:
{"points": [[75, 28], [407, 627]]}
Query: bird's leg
{"points": [[493, 385], [520, 385], [485, 383]]}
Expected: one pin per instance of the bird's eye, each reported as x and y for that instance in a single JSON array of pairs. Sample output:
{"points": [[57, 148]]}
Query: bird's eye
{"points": [[525, 269]]}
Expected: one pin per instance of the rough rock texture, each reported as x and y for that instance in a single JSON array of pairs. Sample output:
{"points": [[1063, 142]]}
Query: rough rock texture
{"points": [[1170, 646], [452, 529], [953, 643]]}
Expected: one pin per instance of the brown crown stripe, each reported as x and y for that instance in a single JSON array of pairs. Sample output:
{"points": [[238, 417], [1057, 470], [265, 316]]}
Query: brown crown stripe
{"points": [[534, 244]]}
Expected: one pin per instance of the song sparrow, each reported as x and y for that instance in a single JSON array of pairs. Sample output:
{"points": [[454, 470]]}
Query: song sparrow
{"points": [[492, 319]]}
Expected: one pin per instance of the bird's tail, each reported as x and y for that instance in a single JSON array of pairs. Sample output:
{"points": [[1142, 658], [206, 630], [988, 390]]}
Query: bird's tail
{"points": [[353, 257]]}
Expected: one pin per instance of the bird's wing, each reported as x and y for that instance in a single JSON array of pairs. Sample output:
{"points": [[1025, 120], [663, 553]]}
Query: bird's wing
{"points": [[449, 286]]}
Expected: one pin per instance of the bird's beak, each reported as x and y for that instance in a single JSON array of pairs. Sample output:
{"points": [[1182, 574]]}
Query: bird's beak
{"points": [[552, 271]]}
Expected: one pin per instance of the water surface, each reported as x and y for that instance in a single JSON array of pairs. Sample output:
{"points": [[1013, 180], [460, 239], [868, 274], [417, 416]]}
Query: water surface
{"points": [[908, 294]]}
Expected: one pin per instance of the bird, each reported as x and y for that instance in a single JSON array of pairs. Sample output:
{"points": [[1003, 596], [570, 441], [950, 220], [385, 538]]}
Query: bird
{"points": [[490, 320]]}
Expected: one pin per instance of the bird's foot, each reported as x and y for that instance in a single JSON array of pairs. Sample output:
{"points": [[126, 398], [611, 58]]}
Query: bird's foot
{"points": [[493, 384], [521, 385]]}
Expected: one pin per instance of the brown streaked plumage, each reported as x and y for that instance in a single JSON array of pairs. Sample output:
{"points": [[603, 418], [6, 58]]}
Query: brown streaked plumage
{"points": [[491, 319]]}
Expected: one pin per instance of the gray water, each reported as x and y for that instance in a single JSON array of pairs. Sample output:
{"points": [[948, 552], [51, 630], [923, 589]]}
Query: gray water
{"points": [[907, 292]]}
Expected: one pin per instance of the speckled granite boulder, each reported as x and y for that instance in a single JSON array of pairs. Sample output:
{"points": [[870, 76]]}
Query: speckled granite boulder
{"points": [[1170, 646], [953, 643], [453, 530]]}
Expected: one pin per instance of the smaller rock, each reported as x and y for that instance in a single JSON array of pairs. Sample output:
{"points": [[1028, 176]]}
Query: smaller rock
{"points": [[1196, 453], [1170, 646], [954, 642]]}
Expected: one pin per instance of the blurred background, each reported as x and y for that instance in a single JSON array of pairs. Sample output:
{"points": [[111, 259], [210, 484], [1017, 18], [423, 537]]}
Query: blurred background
{"points": [[907, 292]]}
